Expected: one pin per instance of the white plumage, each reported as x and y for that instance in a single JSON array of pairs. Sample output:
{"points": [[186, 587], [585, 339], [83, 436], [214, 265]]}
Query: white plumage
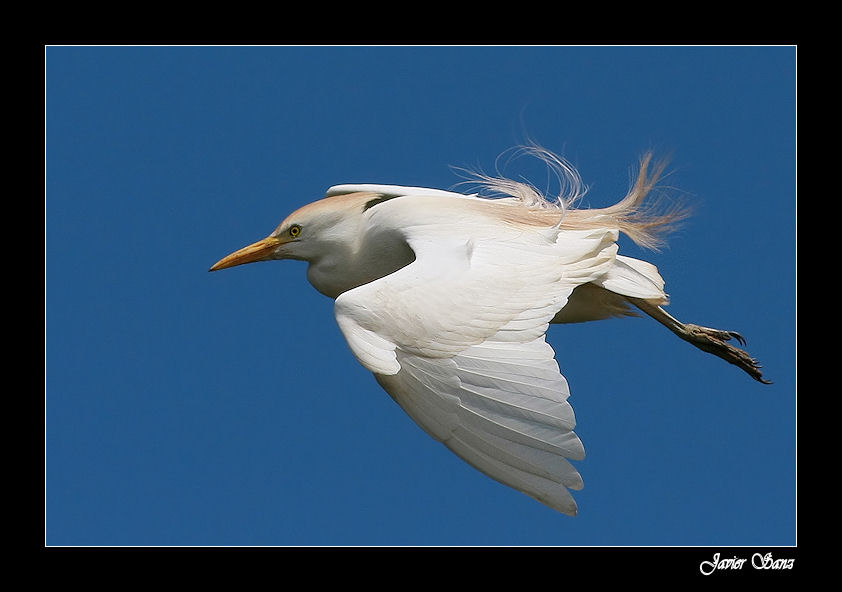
{"points": [[447, 297]]}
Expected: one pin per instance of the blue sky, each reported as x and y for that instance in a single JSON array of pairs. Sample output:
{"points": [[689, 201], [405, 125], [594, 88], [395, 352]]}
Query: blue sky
{"points": [[189, 408]]}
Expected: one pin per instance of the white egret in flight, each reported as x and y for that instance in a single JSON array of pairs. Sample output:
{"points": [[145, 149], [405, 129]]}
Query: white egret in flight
{"points": [[447, 297]]}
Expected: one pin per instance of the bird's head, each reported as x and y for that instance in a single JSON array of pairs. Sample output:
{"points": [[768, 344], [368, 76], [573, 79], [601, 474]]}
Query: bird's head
{"points": [[308, 234]]}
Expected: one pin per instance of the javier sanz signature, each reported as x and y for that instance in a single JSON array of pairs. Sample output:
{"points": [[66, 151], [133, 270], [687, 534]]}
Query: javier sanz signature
{"points": [[758, 561]]}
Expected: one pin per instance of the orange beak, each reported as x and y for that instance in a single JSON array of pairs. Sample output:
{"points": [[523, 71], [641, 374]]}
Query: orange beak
{"points": [[262, 250]]}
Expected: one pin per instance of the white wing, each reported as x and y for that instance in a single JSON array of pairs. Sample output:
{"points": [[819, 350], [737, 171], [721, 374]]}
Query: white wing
{"points": [[457, 339], [396, 190], [501, 407]]}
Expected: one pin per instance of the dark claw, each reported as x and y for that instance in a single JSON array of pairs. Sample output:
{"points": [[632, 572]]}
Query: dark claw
{"points": [[714, 341], [738, 337]]}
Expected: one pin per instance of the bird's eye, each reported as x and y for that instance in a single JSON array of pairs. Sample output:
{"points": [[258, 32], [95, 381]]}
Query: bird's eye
{"points": [[294, 230]]}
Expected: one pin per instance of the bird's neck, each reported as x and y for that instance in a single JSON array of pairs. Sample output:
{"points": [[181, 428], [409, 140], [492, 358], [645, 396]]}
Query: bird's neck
{"points": [[345, 264]]}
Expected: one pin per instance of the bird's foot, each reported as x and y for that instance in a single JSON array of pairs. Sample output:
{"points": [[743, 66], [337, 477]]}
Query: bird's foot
{"points": [[714, 341]]}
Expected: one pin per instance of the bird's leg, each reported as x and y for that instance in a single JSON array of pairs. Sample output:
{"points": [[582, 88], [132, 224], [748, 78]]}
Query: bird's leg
{"points": [[713, 341]]}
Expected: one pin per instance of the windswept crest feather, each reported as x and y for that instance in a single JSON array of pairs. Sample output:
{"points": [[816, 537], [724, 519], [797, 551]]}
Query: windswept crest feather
{"points": [[643, 220]]}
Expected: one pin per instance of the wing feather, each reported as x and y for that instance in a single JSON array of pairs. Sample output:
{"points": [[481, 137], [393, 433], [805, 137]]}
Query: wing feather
{"points": [[518, 439]]}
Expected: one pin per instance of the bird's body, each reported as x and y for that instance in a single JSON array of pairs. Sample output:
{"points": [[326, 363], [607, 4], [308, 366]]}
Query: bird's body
{"points": [[446, 298]]}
